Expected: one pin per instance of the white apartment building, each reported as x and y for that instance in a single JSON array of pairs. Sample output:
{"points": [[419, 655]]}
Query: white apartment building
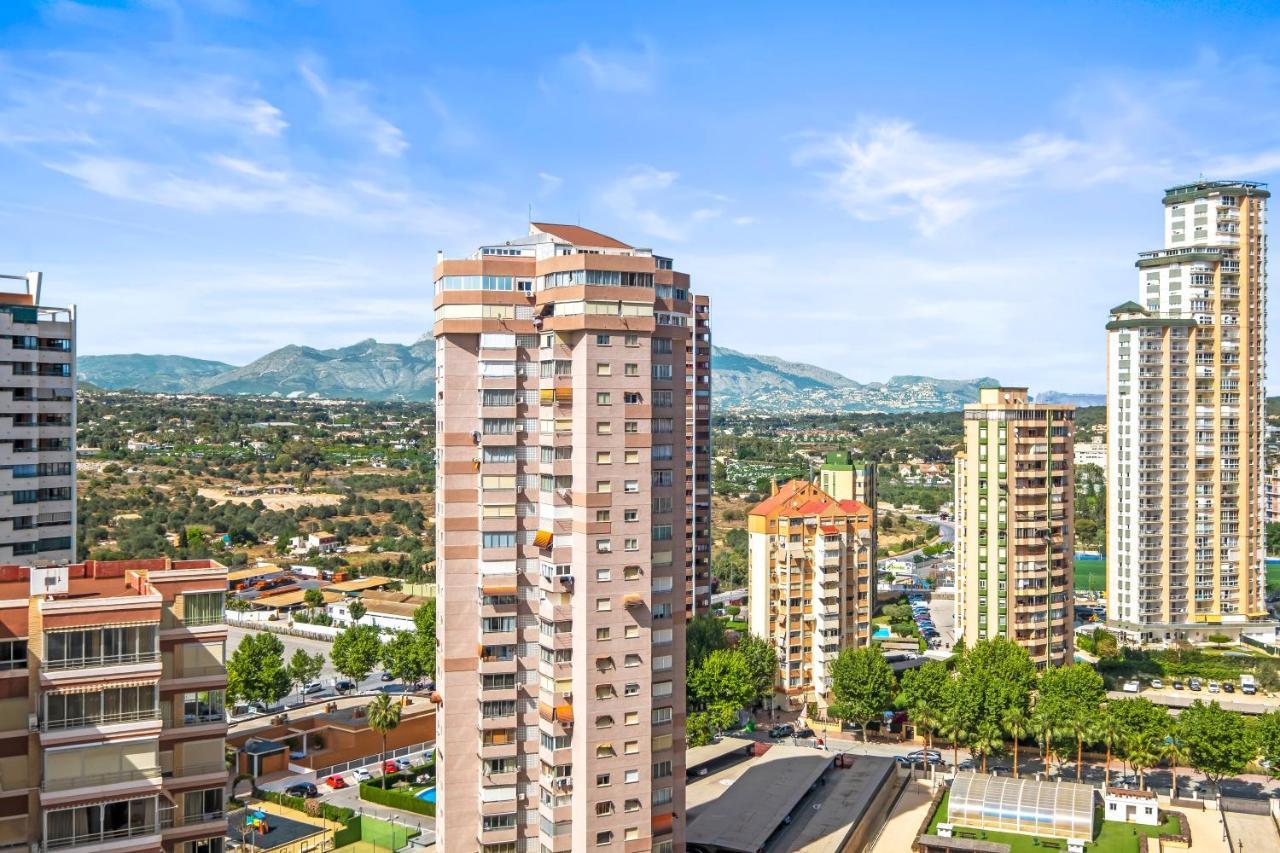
{"points": [[1185, 394]]}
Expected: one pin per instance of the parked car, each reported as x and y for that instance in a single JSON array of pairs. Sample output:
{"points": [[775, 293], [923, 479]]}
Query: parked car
{"points": [[784, 730], [404, 763], [390, 766], [1194, 684], [932, 754], [1131, 687], [336, 782], [302, 789], [386, 676], [1157, 683], [1214, 687], [1228, 687], [805, 732], [361, 775], [312, 687]]}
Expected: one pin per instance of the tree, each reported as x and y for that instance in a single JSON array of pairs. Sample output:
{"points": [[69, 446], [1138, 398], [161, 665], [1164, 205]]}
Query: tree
{"points": [[762, 664], [922, 694], [992, 676], [356, 652], [863, 684], [313, 598], [1143, 751], [1177, 754], [405, 657], [384, 715], [987, 740], [304, 668], [703, 635], [424, 621], [1219, 743], [1141, 724], [1267, 733], [951, 725], [1017, 724], [1109, 733], [256, 670], [722, 680], [356, 610]]}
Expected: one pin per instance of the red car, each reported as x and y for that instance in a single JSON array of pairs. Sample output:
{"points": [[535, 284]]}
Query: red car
{"points": [[335, 782], [389, 766]]}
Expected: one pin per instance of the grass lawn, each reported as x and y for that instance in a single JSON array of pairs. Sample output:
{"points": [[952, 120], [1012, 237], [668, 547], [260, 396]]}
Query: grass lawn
{"points": [[736, 625], [1273, 576], [1091, 574], [1111, 837]]}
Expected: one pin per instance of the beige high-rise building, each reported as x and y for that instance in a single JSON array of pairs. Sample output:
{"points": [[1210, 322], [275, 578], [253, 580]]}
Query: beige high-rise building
{"points": [[563, 438], [1186, 369], [812, 585], [38, 439], [1014, 507]]}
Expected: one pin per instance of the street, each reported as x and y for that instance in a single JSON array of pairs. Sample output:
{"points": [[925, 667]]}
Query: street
{"points": [[374, 682]]}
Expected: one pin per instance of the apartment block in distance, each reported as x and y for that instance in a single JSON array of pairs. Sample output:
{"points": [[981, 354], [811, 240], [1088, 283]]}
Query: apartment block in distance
{"points": [[697, 552], [1185, 394], [38, 431], [812, 585], [112, 726], [1014, 508], [1271, 497], [563, 495]]}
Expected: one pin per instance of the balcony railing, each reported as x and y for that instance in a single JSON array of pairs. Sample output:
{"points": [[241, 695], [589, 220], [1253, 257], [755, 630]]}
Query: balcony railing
{"points": [[81, 839], [51, 725], [86, 661], [98, 779]]}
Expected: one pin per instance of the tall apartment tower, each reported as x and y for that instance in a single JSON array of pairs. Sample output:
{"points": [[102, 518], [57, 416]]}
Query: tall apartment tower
{"points": [[37, 427], [812, 585], [697, 481], [563, 491], [1186, 367], [1014, 506]]}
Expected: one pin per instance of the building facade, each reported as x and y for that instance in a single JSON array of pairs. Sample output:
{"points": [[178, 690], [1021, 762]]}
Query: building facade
{"points": [[697, 556], [38, 439], [1014, 506], [1271, 497], [112, 681], [1185, 394], [563, 500], [812, 585]]}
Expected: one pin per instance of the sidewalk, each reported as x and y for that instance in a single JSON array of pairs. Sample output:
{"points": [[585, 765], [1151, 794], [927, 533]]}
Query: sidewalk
{"points": [[904, 822]]}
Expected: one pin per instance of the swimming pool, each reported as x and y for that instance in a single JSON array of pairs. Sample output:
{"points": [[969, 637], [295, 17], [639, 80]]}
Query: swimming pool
{"points": [[427, 796], [882, 633]]}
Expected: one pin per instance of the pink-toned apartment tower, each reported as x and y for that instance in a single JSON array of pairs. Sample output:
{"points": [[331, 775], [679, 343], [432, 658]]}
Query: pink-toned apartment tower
{"points": [[697, 555], [564, 491]]}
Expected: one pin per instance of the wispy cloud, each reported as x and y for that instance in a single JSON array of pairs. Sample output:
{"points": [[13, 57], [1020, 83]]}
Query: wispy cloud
{"points": [[346, 105], [549, 182], [618, 71], [645, 197]]}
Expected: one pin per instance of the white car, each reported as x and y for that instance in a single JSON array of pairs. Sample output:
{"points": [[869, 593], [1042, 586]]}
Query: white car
{"points": [[1157, 683], [1214, 687], [361, 775], [1131, 687]]}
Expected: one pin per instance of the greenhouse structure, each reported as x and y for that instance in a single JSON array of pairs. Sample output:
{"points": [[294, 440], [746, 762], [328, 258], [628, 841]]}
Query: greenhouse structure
{"points": [[1026, 806]]}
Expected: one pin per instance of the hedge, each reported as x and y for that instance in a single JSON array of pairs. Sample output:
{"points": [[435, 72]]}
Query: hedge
{"points": [[403, 800]]}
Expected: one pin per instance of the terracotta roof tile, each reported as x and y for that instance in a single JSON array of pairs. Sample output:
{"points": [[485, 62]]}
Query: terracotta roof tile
{"points": [[579, 236]]}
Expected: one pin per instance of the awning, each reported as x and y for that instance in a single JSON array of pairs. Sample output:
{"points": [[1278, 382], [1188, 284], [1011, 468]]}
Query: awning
{"points": [[542, 538], [99, 686]]}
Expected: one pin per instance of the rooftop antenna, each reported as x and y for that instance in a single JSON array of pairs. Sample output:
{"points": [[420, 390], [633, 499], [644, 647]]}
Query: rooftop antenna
{"points": [[530, 213]]}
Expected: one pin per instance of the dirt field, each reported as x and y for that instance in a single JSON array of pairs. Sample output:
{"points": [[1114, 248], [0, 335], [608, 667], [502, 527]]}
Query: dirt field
{"points": [[275, 502]]}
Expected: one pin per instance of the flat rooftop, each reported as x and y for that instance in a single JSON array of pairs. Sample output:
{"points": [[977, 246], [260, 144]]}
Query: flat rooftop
{"points": [[700, 755], [99, 578], [838, 807], [357, 584], [736, 810]]}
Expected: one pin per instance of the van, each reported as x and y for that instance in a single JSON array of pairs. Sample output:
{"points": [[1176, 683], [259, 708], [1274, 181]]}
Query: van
{"points": [[1131, 687], [1248, 684]]}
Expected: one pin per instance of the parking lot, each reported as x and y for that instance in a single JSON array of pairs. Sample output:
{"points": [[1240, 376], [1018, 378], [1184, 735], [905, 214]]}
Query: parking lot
{"points": [[939, 611]]}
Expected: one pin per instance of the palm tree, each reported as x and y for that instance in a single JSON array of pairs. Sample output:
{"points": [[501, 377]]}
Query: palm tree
{"points": [[987, 739], [1178, 754], [1081, 725], [384, 715], [1045, 728], [924, 717], [1017, 724], [1143, 753], [1109, 733], [951, 726]]}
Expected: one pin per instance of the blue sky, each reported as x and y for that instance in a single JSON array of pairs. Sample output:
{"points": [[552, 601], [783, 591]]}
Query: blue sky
{"points": [[946, 189]]}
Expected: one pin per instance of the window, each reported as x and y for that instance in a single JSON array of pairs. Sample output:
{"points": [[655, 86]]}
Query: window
{"points": [[631, 457], [633, 397], [631, 747], [206, 804], [630, 632], [662, 688], [661, 663], [204, 706], [602, 780], [662, 533], [604, 808], [603, 368], [632, 340], [661, 716], [604, 457], [662, 346], [631, 427], [631, 487], [603, 487], [631, 573], [13, 654], [602, 398], [603, 721], [631, 689], [605, 691], [631, 515], [630, 776], [602, 515], [602, 340], [203, 608], [662, 478], [603, 838], [605, 750], [603, 604], [662, 399], [661, 371], [498, 540], [602, 575], [602, 633], [603, 546], [632, 805], [631, 719], [631, 544], [604, 428], [661, 796], [631, 369], [631, 660]]}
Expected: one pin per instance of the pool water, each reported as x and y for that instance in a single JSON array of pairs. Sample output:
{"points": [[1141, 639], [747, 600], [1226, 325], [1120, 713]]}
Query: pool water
{"points": [[882, 633], [427, 796]]}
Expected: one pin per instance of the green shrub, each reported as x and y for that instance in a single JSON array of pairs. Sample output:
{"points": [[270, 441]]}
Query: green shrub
{"points": [[375, 793]]}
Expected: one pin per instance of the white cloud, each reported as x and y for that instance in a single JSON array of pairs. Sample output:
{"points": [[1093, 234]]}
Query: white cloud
{"points": [[549, 182], [652, 201], [346, 105], [618, 71]]}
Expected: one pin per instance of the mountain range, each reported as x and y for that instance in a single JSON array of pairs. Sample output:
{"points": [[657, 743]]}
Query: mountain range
{"points": [[370, 370]]}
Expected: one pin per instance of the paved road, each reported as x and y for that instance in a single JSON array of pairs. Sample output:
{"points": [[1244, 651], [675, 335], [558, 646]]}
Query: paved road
{"points": [[235, 633], [728, 595]]}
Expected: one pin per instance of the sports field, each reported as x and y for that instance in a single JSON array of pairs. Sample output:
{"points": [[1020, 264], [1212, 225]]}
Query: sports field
{"points": [[1091, 574]]}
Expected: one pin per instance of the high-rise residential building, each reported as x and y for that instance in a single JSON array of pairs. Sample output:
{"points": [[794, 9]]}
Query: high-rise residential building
{"points": [[1186, 366], [812, 585], [37, 427], [563, 490], [1271, 496], [697, 556], [112, 725], [1014, 510]]}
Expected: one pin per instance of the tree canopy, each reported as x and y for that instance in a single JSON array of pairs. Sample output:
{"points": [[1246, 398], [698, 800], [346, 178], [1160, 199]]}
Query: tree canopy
{"points": [[356, 651], [256, 670], [863, 684]]}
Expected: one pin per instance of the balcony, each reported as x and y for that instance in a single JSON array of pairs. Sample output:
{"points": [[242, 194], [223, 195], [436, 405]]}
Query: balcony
{"points": [[102, 719], [101, 837], [99, 780], [89, 661]]}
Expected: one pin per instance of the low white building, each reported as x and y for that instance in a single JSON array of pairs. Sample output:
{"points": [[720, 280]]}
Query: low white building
{"points": [[1129, 806], [1093, 452]]}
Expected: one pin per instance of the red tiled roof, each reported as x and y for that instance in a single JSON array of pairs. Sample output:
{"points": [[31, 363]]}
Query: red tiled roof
{"points": [[786, 492], [814, 507], [579, 236], [854, 506], [830, 529]]}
